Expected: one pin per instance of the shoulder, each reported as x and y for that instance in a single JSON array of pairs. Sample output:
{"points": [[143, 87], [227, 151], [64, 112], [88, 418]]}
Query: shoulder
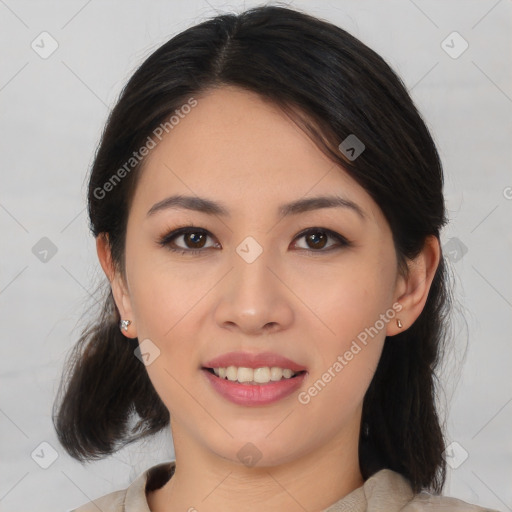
{"points": [[387, 481], [426, 502], [133, 498], [113, 502]]}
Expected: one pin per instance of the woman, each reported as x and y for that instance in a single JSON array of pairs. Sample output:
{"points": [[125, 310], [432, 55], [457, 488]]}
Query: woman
{"points": [[267, 204]]}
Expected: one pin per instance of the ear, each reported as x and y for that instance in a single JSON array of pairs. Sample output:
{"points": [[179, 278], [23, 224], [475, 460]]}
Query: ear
{"points": [[411, 291], [117, 283]]}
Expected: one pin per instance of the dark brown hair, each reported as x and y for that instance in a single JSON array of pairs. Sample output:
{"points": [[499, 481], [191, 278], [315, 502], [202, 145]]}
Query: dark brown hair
{"points": [[332, 86]]}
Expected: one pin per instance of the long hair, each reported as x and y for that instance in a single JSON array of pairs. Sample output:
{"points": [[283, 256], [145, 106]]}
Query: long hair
{"points": [[333, 86]]}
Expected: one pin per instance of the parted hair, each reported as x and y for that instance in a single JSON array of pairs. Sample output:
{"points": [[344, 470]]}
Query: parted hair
{"points": [[332, 85]]}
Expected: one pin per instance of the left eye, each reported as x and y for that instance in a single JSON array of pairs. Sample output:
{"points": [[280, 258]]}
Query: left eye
{"points": [[316, 238]]}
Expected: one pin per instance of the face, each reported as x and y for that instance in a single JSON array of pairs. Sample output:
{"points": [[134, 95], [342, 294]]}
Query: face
{"points": [[316, 286]]}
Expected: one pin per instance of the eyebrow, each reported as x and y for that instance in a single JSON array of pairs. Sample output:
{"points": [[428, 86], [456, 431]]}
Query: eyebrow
{"points": [[210, 207]]}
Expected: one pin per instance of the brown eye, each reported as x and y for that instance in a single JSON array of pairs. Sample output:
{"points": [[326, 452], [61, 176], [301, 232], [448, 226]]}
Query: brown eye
{"points": [[317, 240], [195, 240], [192, 240]]}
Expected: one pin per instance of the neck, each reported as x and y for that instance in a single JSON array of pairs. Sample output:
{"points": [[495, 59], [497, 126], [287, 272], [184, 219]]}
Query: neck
{"points": [[205, 482]]}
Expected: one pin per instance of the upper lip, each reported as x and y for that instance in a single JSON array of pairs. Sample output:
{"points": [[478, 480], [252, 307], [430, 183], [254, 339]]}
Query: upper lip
{"points": [[248, 360]]}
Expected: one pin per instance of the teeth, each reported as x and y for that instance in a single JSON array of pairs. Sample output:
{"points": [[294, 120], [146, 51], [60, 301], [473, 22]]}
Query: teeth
{"points": [[245, 374], [231, 373], [275, 373], [261, 375]]}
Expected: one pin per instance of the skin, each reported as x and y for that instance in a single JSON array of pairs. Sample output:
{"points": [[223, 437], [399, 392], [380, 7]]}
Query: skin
{"points": [[307, 305]]}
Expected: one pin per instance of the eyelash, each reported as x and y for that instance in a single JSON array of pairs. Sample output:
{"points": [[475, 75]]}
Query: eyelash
{"points": [[166, 239]]}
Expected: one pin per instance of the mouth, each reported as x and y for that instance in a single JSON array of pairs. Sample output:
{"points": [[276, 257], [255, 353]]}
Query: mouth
{"points": [[251, 379], [254, 376], [252, 387]]}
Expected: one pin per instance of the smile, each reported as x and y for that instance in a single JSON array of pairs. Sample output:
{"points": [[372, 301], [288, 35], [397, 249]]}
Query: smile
{"points": [[262, 375], [241, 385]]}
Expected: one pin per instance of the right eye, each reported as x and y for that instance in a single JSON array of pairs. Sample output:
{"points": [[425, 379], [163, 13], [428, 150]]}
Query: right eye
{"points": [[196, 237]]}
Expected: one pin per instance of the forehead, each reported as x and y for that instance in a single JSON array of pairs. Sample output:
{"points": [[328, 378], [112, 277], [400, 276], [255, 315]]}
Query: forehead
{"points": [[237, 147]]}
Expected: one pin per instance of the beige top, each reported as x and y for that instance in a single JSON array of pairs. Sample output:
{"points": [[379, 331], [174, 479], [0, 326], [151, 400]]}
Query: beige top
{"points": [[385, 491]]}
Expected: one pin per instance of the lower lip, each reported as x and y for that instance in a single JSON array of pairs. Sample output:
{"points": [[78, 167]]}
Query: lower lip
{"points": [[254, 394]]}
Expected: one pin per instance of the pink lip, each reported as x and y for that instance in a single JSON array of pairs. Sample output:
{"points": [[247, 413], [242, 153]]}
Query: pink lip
{"points": [[252, 395], [248, 360]]}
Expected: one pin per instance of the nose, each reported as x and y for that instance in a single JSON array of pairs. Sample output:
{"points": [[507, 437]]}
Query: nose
{"points": [[253, 297]]}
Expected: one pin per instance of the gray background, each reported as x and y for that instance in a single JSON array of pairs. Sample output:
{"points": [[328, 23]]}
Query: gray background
{"points": [[53, 110]]}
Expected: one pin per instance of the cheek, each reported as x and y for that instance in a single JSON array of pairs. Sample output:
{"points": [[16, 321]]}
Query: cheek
{"points": [[345, 362], [163, 302], [351, 296], [338, 394], [356, 306], [163, 293]]}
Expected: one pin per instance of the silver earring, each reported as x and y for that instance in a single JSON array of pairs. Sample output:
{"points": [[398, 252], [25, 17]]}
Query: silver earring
{"points": [[399, 323], [123, 325]]}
